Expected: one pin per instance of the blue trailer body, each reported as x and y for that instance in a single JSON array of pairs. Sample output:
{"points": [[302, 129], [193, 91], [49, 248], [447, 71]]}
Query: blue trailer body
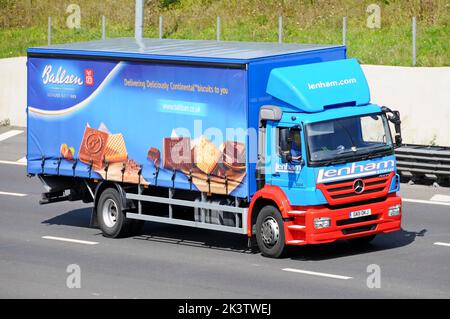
{"points": [[105, 111], [276, 141]]}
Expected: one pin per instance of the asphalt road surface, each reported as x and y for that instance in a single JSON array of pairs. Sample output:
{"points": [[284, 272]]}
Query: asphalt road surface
{"points": [[39, 243]]}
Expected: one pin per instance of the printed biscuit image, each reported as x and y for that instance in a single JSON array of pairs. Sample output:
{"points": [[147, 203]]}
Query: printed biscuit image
{"points": [[177, 153], [154, 156], [131, 172], [216, 183], [93, 147], [233, 155], [100, 146], [213, 170], [229, 171], [127, 172], [116, 150], [66, 152], [206, 155]]}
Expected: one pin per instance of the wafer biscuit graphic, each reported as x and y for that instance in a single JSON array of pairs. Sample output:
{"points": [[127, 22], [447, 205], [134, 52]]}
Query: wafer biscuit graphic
{"points": [[116, 150], [206, 155]]}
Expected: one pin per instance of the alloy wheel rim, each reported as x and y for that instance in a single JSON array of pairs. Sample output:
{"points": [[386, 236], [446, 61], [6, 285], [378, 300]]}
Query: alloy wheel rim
{"points": [[110, 213], [270, 232]]}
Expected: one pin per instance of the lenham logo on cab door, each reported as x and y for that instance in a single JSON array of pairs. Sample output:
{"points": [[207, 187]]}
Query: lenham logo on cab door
{"points": [[287, 168]]}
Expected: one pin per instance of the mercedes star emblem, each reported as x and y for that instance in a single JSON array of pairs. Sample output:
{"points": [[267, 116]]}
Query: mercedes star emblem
{"points": [[358, 186]]}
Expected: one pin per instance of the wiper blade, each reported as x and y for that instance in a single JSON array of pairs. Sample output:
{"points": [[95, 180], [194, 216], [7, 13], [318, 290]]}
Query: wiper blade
{"points": [[348, 152], [333, 162], [355, 156], [339, 161], [376, 152]]}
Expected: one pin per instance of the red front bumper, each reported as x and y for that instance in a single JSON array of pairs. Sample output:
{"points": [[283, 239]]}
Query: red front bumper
{"points": [[300, 230]]}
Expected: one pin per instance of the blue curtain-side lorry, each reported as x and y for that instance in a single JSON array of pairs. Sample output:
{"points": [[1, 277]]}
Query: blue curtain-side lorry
{"points": [[278, 142]]}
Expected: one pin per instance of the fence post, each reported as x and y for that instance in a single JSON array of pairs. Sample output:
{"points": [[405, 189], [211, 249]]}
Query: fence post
{"points": [[103, 28], [160, 27], [139, 17], [344, 30], [414, 34], [280, 29], [218, 29], [49, 31]]}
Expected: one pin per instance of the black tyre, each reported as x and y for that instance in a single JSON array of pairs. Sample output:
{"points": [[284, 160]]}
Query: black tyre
{"points": [[270, 232], [111, 219], [361, 241]]}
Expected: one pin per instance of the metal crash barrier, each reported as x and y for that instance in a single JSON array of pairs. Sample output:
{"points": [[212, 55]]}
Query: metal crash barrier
{"points": [[417, 163]]}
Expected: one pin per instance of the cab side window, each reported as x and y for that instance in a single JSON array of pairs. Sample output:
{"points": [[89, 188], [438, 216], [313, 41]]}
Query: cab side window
{"points": [[296, 149], [293, 137]]}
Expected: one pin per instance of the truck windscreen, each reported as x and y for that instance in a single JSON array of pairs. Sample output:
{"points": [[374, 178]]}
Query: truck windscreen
{"points": [[348, 139]]}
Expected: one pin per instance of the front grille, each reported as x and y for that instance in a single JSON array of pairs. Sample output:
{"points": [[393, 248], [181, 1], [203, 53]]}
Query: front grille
{"points": [[343, 192], [369, 191], [357, 203], [375, 182], [350, 221], [359, 229]]}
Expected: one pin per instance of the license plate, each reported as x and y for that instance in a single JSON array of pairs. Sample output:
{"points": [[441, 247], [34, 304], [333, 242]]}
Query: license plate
{"points": [[361, 213]]}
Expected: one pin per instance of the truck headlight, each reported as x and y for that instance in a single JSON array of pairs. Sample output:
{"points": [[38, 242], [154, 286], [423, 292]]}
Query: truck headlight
{"points": [[322, 222], [394, 210]]}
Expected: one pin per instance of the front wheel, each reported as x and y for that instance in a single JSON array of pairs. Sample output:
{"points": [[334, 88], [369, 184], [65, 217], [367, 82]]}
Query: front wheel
{"points": [[270, 232]]}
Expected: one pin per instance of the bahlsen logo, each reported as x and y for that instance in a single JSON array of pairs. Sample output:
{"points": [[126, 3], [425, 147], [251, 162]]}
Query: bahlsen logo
{"points": [[61, 76], [355, 170]]}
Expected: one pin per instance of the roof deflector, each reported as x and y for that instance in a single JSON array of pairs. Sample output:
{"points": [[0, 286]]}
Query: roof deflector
{"points": [[311, 87]]}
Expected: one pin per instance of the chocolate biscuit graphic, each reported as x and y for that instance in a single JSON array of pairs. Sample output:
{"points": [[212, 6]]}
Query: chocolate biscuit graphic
{"points": [[93, 147], [177, 153], [154, 155], [233, 155]]}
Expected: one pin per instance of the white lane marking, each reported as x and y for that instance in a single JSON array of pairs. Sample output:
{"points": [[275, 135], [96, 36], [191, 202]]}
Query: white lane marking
{"points": [[440, 198], [9, 134], [22, 160], [441, 244], [321, 274], [71, 240], [420, 201], [13, 163], [13, 194]]}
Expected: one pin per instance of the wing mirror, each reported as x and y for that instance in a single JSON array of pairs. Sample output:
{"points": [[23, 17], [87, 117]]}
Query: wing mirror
{"points": [[394, 118]]}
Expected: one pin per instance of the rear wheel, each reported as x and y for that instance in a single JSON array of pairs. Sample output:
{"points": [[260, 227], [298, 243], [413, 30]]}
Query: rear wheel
{"points": [[361, 241], [110, 217], [270, 232]]}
